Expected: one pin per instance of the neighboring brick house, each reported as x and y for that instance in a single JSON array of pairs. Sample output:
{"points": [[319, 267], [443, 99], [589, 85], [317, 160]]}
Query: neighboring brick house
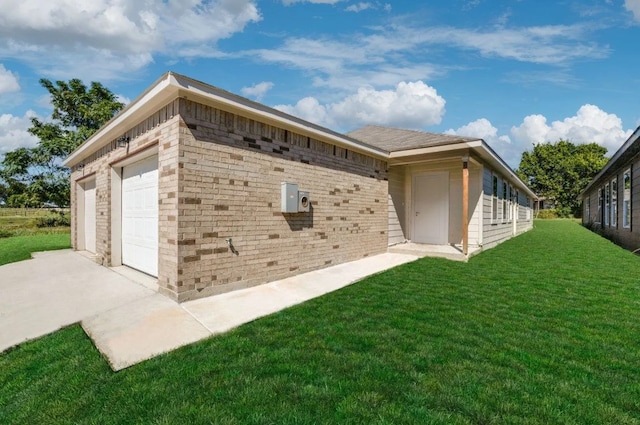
{"points": [[611, 201], [186, 184]]}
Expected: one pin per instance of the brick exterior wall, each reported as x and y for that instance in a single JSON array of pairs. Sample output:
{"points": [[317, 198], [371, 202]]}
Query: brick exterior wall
{"points": [[219, 178], [231, 169]]}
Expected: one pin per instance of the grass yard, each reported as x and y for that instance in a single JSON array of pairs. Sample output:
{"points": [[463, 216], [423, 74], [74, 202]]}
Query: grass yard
{"points": [[18, 248], [543, 329], [32, 221]]}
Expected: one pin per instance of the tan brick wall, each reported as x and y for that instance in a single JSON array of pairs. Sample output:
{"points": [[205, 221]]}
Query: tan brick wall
{"points": [[231, 169], [219, 177], [168, 188], [165, 135]]}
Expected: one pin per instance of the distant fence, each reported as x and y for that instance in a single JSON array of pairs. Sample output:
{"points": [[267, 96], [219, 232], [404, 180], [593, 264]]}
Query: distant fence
{"points": [[29, 212]]}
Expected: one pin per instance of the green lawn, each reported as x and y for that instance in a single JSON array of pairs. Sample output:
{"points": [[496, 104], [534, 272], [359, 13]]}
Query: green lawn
{"points": [[543, 329], [17, 248]]}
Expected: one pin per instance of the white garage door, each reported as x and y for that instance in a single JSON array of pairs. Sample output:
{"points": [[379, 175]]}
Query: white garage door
{"points": [[140, 215], [90, 216]]}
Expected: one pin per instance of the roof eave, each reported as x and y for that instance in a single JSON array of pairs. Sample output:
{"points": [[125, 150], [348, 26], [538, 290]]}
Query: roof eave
{"points": [[171, 86], [158, 94], [480, 148], [635, 137]]}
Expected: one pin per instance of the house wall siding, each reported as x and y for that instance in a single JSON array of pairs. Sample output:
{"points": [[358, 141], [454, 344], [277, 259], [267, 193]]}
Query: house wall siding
{"points": [[230, 173], [497, 231], [397, 206], [628, 238]]}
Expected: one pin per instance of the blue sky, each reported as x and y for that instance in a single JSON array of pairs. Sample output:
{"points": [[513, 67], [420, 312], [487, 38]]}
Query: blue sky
{"points": [[513, 72]]}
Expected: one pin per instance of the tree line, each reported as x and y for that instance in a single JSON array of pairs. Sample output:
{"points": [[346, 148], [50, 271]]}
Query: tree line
{"points": [[35, 177]]}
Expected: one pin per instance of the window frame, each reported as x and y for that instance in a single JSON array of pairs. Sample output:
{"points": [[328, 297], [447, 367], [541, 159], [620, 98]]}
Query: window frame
{"points": [[600, 202], [626, 198], [494, 199], [505, 202], [607, 204], [587, 207], [614, 202]]}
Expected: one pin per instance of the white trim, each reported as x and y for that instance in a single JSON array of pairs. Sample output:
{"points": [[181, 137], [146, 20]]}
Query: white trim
{"points": [[435, 149]]}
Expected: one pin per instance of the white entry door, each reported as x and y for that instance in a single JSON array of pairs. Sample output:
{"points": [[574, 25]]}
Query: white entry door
{"points": [[90, 216], [431, 208], [140, 215]]}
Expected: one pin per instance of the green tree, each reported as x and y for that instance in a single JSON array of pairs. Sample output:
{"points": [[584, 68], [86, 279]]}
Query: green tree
{"points": [[560, 171], [78, 111]]}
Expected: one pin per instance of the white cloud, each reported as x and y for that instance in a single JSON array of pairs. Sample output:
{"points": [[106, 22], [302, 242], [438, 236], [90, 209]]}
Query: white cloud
{"points": [[257, 91], [386, 55], [114, 36], [8, 81], [590, 124], [14, 134], [350, 63], [552, 44], [359, 7], [310, 109], [483, 129], [290, 2], [409, 105], [633, 6], [122, 98]]}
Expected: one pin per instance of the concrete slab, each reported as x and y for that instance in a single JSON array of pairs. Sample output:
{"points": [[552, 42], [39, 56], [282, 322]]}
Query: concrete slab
{"points": [[142, 329], [130, 323], [221, 313], [450, 252], [56, 289]]}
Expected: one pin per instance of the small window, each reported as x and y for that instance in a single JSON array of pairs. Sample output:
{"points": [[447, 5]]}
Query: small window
{"points": [[626, 199], [600, 201], [614, 202], [607, 204], [505, 202], [494, 200], [587, 208]]}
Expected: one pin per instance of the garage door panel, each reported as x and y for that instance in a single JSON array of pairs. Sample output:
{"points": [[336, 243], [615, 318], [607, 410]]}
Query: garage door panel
{"points": [[140, 215]]}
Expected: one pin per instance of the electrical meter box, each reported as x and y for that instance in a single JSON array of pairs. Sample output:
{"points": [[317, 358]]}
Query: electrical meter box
{"points": [[289, 197]]}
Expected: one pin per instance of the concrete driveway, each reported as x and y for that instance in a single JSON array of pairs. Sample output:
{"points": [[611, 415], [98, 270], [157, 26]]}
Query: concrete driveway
{"points": [[56, 289], [129, 322]]}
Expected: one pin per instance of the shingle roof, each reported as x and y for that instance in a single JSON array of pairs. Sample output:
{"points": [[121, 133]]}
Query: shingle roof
{"points": [[396, 139]]}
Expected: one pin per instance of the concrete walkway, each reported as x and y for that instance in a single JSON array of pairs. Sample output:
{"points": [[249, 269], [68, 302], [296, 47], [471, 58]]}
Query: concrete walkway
{"points": [[129, 322]]}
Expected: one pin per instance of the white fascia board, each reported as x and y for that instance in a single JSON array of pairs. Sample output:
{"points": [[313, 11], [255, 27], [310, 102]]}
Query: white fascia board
{"points": [[435, 149], [156, 96]]}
